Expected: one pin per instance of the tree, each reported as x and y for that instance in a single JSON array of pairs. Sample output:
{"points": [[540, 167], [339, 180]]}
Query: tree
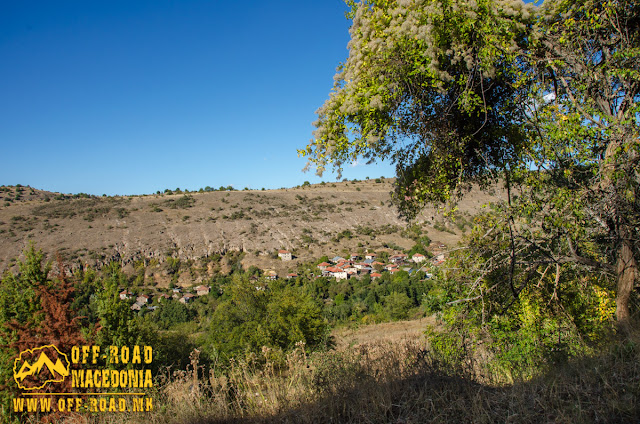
{"points": [[430, 87], [172, 313], [249, 319], [588, 57], [118, 324], [36, 311], [545, 98]]}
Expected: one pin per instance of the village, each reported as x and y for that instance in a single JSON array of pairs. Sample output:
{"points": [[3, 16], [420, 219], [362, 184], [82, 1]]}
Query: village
{"points": [[340, 268]]}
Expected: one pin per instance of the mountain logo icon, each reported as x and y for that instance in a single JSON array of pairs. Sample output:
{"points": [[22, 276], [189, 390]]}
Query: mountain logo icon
{"points": [[34, 368]]}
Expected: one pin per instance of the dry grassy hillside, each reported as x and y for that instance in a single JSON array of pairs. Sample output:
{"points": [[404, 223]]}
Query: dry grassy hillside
{"points": [[305, 220]]}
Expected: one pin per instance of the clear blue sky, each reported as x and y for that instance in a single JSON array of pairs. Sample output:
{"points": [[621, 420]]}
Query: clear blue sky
{"points": [[130, 97]]}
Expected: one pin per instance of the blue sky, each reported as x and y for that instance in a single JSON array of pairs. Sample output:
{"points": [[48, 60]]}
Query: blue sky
{"points": [[130, 97]]}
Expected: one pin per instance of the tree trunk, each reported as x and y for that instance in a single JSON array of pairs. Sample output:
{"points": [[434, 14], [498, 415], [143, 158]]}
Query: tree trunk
{"points": [[627, 271], [624, 215]]}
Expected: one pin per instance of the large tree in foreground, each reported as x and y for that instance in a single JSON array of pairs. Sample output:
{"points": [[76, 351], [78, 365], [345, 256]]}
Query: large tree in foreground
{"points": [[456, 92], [587, 59]]}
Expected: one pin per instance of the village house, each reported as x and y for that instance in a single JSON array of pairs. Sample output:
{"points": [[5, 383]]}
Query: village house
{"points": [[125, 294], [398, 258], [136, 307], [322, 266], [163, 296], [285, 255], [203, 290], [337, 273], [271, 275], [290, 276], [354, 256], [187, 298], [418, 258], [351, 269], [438, 259], [143, 299], [370, 256], [340, 274], [177, 292], [376, 275]]}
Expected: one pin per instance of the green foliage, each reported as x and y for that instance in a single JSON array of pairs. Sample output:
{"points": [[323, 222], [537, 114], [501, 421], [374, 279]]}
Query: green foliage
{"points": [[171, 348], [183, 202], [397, 305], [452, 90], [119, 326], [293, 317], [173, 265], [545, 98], [170, 313], [528, 318], [343, 234], [86, 289], [19, 304], [18, 300], [248, 319]]}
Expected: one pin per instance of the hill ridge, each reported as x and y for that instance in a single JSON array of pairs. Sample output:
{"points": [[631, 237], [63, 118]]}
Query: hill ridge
{"points": [[310, 221]]}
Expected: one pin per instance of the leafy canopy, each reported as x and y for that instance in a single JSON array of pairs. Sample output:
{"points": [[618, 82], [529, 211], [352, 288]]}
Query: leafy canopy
{"points": [[432, 86], [458, 92]]}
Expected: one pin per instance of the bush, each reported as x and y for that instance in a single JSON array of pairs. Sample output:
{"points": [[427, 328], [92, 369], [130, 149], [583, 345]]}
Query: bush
{"points": [[184, 202]]}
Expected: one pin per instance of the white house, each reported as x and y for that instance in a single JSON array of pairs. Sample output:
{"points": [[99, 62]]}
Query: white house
{"points": [[337, 273], [341, 275], [418, 258], [285, 255]]}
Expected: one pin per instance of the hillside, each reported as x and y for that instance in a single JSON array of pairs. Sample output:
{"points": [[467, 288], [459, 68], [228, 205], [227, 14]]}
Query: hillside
{"points": [[189, 226]]}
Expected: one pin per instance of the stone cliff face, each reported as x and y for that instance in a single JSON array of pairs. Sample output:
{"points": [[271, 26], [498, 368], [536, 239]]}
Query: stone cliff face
{"points": [[96, 231]]}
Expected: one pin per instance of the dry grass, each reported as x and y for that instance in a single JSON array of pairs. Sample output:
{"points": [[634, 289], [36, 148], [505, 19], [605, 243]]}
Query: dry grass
{"points": [[393, 382], [396, 331]]}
